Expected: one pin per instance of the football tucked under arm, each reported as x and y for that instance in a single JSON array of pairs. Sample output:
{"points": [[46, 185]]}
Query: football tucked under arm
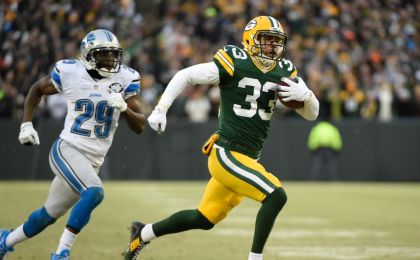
{"points": [[292, 104], [294, 93]]}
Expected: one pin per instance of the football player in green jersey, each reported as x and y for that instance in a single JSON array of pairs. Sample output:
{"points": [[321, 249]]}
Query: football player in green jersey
{"points": [[248, 79]]}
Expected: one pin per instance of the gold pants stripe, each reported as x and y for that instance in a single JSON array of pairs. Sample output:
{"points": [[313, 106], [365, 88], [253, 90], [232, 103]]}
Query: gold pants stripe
{"points": [[225, 190]]}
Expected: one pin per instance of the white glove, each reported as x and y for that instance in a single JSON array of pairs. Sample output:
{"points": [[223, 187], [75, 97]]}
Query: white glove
{"points": [[296, 91], [157, 120], [28, 135], [116, 100]]}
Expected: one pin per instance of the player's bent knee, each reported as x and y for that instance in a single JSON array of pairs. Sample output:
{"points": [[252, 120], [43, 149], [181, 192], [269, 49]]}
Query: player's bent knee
{"points": [[278, 197], [204, 223], [214, 214], [81, 212], [93, 195]]}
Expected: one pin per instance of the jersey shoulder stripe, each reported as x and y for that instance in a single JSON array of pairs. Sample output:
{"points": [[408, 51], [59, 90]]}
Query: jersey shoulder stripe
{"points": [[62, 67], [223, 58], [133, 88], [133, 77], [56, 80]]}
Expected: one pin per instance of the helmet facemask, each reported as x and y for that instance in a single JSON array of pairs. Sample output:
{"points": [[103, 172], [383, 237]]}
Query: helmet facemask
{"points": [[105, 60], [269, 46]]}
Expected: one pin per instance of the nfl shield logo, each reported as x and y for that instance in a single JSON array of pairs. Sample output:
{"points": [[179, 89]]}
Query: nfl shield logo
{"points": [[115, 87]]}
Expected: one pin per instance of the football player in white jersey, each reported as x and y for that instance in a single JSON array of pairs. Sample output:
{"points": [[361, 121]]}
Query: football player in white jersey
{"points": [[98, 89]]}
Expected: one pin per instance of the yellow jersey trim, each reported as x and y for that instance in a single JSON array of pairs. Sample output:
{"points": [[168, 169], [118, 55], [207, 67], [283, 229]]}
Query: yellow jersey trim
{"points": [[225, 61]]}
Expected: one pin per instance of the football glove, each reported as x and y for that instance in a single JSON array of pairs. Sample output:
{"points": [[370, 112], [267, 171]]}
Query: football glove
{"points": [[295, 91], [117, 101], [28, 135], [157, 120]]}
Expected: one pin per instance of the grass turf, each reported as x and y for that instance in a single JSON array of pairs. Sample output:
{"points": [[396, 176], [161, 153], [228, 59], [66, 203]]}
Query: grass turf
{"points": [[320, 221]]}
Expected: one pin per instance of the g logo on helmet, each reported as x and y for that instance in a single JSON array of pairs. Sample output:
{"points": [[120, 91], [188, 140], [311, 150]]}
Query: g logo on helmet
{"points": [[115, 88], [250, 25]]}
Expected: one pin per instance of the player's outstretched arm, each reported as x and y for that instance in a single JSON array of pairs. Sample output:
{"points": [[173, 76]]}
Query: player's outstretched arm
{"points": [[44, 86], [135, 118], [204, 73]]}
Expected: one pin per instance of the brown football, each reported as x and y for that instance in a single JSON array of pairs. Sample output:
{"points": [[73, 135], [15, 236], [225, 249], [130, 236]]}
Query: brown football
{"points": [[292, 104]]}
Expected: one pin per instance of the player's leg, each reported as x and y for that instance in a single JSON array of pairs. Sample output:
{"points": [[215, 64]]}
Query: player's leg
{"points": [[217, 201], [249, 178], [37, 221], [76, 171], [60, 198], [212, 210]]}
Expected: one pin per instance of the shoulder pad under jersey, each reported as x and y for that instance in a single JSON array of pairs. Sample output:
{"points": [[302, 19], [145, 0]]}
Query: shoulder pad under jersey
{"points": [[63, 67]]}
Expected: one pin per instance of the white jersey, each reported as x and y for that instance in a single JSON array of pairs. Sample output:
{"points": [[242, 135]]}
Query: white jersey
{"points": [[90, 123]]}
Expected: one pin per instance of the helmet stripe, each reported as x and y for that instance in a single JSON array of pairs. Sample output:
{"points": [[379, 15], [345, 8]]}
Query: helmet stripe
{"points": [[108, 35], [273, 22]]}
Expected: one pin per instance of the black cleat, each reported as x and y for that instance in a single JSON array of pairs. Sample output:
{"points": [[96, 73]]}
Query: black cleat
{"points": [[136, 244]]}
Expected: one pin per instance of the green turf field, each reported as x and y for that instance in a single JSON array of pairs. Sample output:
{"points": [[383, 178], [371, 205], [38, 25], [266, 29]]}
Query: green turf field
{"points": [[320, 221]]}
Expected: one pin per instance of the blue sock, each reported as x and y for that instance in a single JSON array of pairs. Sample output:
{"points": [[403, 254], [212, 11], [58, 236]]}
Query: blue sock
{"points": [[37, 221], [80, 214]]}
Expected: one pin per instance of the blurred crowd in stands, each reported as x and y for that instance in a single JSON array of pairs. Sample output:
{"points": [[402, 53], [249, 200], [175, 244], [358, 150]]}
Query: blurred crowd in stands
{"points": [[360, 57]]}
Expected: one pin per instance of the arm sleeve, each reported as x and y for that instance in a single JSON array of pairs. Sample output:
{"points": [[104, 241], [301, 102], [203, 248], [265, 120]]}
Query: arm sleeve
{"points": [[311, 108], [204, 73]]}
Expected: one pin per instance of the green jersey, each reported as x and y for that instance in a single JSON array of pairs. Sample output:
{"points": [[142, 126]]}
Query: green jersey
{"points": [[248, 97]]}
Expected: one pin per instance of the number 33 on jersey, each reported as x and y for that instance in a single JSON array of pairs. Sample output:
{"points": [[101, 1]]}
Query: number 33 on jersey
{"points": [[248, 94]]}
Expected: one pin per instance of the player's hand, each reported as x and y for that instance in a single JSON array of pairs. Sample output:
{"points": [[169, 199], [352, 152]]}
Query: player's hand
{"points": [[157, 120], [28, 135], [117, 101], [295, 91]]}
